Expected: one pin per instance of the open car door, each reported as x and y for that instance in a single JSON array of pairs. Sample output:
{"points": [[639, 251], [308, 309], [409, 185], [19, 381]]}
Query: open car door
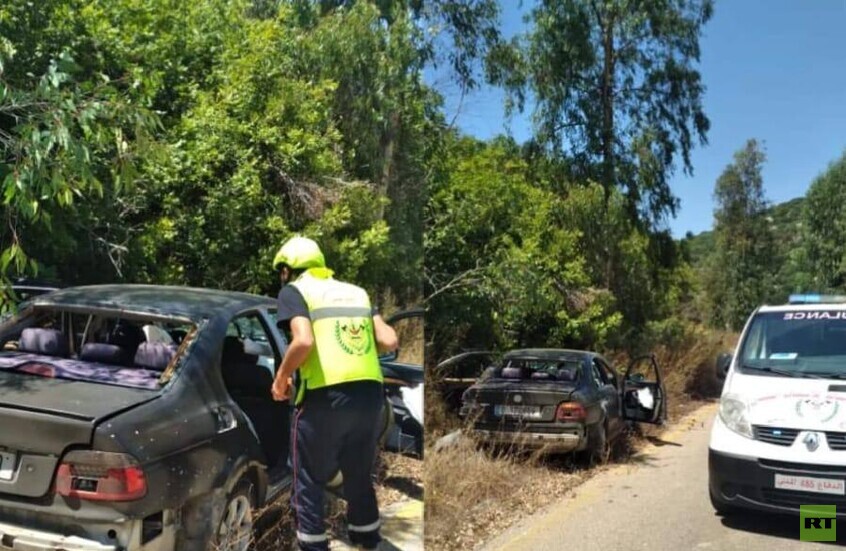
{"points": [[458, 373], [644, 397], [404, 384]]}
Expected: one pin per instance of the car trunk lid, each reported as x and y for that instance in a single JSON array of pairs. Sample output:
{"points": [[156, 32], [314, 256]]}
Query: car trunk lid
{"points": [[46, 417], [519, 401]]}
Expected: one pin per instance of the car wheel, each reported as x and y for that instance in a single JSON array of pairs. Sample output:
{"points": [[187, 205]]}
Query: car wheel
{"points": [[598, 448], [235, 530], [722, 509]]}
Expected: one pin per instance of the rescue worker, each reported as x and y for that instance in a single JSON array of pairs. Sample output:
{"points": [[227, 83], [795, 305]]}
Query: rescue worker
{"points": [[334, 336]]}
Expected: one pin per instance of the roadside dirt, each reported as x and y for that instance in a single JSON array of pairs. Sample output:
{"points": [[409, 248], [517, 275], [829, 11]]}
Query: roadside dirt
{"points": [[399, 478]]}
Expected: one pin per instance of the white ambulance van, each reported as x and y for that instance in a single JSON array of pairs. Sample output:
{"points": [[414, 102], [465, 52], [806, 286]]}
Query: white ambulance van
{"points": [[779, 440]]}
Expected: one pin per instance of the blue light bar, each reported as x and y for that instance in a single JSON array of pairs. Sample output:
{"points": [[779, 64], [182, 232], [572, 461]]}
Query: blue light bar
{"points": [[805, 299], [816, 298]]}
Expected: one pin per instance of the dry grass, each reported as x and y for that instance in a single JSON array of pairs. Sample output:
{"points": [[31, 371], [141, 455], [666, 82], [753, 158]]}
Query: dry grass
{"points": [[473, 495], [410, 336]]}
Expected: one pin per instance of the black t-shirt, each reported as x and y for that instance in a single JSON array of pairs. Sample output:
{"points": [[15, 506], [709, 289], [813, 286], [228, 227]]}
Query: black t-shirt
{"points": [[291, 304]]}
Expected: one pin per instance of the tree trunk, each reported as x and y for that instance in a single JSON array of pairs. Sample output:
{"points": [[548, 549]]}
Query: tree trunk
{"points": [[607, 98], [389, 139], [609, 179]]}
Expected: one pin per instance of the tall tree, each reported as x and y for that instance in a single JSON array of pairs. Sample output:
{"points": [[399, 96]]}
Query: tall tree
{"points": [[615, 88], [742, 269], [824, 223]]}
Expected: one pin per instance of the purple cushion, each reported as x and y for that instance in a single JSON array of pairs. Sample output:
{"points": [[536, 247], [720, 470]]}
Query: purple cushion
{"points": [[49, 342], [154, 355], [104, 353], [512, 373]]}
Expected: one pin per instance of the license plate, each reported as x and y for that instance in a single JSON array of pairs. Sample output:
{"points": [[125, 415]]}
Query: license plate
{"points": [[7, 465], [810, 484], [526, 412]]}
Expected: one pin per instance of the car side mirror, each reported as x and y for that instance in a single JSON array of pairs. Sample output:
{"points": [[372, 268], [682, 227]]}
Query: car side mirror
{"points": [[723, 364]]}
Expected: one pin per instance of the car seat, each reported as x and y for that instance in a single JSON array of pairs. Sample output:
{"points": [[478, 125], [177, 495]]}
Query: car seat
{"points": [[47, 342], [566, 374], [512, 373], [104, 353], [155, 356], [249, 385]]}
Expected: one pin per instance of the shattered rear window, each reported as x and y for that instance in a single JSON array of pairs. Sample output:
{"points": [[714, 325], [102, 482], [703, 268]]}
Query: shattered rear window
{"points": [[540, 369], [106, 348]]}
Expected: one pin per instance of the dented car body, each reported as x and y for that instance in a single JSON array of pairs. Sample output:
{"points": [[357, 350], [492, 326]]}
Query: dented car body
{"points": [[139, 418], [562, 401]]}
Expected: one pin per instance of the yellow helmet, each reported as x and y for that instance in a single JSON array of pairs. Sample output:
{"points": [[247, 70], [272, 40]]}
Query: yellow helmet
{"points": [[299, 253]]}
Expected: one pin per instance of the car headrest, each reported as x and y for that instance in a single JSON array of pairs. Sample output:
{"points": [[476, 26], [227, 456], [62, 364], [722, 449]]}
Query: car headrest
{"points": [[154, 355], [541, 376], [512, 373], [566, 375], [127, 335], [104, 353], [49, 342], [233, 352]]}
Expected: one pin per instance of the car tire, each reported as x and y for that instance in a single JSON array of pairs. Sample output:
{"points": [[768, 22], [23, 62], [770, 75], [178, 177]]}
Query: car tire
{"points": [[201, 519], [234, 530], [598, 447], [722, 509]]}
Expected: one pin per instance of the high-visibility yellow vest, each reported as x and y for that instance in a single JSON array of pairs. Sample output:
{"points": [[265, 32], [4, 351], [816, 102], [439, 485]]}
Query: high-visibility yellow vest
{"points": [[344, 339]]}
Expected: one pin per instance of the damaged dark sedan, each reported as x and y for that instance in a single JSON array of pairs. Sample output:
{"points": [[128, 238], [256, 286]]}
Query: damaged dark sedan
{"points": [[139, 418], [562, 401]]}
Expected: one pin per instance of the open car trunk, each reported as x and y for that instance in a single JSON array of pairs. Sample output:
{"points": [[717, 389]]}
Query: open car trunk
{"points": [[42, 417]]}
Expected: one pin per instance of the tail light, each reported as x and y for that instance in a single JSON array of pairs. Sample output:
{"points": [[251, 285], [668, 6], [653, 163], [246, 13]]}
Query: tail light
{"points": [[571, 411], [100, 476]]}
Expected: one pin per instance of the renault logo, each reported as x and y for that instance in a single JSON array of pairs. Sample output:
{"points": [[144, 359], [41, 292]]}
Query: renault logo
{"points": [[812, 441]]}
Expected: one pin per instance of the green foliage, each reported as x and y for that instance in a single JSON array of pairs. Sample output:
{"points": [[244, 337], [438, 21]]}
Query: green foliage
{"points": [[824, 222], [615, 89], [741, 273], [503, 261], [645, 275], [275, 118], [793, 270], [64, 139]]}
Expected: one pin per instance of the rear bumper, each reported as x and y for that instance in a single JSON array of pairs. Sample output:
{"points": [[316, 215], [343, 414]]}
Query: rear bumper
{"points": [[749, 483], [22, 539], [567, 440], [46, 533]]}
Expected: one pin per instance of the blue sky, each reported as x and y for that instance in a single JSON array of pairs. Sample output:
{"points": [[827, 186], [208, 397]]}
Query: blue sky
{"points": [[775, 70]]}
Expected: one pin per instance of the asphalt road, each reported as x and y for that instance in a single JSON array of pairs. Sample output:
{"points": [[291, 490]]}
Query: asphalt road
{"points": [[402, 528], [658, 501]]}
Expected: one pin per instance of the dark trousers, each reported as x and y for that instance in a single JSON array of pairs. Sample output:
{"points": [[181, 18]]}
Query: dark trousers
{"points": [[336, 428]]}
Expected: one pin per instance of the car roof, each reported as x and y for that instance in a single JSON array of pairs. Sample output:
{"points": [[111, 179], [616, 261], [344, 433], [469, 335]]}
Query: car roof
{"points": [[191, 302], [40, 284], [548, 354]]}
